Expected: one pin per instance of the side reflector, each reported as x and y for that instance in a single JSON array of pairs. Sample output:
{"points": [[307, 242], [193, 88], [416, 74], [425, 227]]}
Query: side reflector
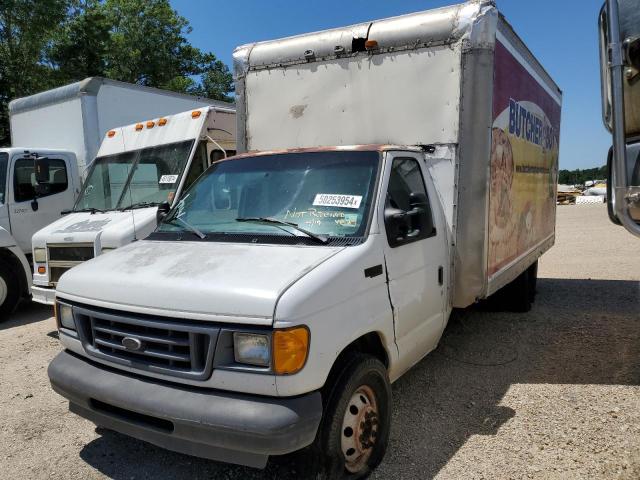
{"points": [[111, 133], [196, 114], [151, 124], [162, 122], [42, 270], [139, 127], [290, 349]]}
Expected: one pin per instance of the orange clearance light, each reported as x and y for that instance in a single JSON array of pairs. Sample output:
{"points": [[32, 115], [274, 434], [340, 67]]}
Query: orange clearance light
{"points": [[371, 44], [42, 270], [196, 114], [162, 122], [290, 349], [112, 133], [151, 124], [139, 127]]}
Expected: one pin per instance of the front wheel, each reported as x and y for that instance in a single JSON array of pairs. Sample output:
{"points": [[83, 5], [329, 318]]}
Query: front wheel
{"points": [[354, 432], [9, 291]]}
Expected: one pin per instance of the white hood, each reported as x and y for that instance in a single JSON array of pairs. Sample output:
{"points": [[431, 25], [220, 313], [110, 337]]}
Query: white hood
{"points": [[206, 280], [113, 228]]}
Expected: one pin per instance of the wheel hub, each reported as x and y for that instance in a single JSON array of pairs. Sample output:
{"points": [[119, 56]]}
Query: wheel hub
{"points": [[359, 429]]}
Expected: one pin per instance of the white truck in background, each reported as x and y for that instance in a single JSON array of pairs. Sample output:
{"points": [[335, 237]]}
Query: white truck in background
{"points": [[64, 125], [139, 168], [396, 169]]}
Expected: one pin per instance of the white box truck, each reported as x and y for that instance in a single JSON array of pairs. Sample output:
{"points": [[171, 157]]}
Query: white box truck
{"points": [[396, 169], [65, 125], [139, 168]]}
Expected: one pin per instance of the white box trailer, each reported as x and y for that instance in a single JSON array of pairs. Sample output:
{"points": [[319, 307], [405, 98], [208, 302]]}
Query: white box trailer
{"points": [[394, 169], [76, 117]]}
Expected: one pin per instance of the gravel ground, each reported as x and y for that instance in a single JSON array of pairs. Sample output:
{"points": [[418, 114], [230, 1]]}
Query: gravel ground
{"points": [[553, 393]]}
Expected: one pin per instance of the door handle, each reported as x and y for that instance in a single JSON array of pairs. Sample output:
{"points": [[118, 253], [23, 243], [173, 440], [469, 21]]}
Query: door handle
{"points": [[440, 275]]}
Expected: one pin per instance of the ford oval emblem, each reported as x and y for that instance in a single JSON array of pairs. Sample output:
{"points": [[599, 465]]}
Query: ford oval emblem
{"points": [[132, 344]]}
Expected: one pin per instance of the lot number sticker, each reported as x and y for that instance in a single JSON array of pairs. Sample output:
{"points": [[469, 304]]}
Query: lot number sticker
{"points": [[334, 200], [168, 179]]}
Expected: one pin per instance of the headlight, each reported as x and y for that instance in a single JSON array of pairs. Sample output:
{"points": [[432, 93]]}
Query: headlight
{"points": [[40, 255], [251, 349], [65, 316]]}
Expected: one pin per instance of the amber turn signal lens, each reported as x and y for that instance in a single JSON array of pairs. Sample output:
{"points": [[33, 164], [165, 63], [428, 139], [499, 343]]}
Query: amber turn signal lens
{"points": [[162, 122], [42, 270], [139, 127], [371, 44], [196, 114], [112, 133], [290, 349], [151, 124]]}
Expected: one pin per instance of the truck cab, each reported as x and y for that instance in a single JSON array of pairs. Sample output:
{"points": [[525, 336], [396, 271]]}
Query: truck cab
{"points": [[28, 203], [138, 168], [337, 241]]}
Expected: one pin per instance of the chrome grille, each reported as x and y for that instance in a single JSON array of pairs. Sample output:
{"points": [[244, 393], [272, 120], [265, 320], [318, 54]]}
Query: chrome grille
{"points": [[181, 349]]}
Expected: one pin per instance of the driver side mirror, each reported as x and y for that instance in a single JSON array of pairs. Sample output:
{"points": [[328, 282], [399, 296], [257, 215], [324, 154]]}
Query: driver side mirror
{"points": [[163, 209], [41, 167]]}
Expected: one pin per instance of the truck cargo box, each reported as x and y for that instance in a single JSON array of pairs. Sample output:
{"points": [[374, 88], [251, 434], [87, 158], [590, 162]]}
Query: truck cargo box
{"points": [[76, 117], [457, 80]]}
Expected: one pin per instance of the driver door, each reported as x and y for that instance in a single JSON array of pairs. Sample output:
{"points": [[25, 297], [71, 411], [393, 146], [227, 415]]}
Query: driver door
{"points": [[415, 255], [33, 206]]}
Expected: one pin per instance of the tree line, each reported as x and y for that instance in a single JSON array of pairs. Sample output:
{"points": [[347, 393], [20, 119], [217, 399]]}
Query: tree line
{"points": [[48, 43], [578, 176]]}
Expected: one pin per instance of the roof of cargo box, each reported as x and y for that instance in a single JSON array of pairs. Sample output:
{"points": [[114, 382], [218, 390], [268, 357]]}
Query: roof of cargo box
{"points": [[437, 26], [91, 86]]}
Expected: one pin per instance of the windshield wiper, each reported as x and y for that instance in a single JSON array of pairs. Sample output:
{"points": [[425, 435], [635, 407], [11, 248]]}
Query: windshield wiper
{"points": [[140, 205], [84, 210], [320, 238], [186, 224]]}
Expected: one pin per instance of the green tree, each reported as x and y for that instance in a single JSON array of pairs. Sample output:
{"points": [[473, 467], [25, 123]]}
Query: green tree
{"points": [[79, 49], [48, 43], [26, 29]]}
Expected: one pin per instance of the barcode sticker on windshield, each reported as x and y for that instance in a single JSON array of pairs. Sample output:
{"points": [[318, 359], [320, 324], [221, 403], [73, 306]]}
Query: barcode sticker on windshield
{"points": [[168, 179], [334, 200]]}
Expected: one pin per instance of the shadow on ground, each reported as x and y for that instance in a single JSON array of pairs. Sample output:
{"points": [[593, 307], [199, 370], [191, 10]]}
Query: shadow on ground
{"points": [[26, 313], [579, 332]]}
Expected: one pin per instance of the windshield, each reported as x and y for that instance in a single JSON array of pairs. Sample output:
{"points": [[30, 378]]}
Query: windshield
{"points": [[150, 175], [324, 193]]}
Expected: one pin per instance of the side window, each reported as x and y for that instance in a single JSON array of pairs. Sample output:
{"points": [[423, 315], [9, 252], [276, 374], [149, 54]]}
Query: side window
{"points": [[408, 215], [4, 160], [24, 180]]}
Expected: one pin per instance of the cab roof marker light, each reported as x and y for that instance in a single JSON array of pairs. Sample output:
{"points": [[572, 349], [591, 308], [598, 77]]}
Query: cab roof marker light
{"points": [[111, 133], [371, 44], [196, 114], [139, 127], [151, 124], [162, 122]]}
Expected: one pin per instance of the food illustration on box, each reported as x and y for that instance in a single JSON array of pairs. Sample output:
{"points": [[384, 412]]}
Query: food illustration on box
{"points": [[524, 161]]}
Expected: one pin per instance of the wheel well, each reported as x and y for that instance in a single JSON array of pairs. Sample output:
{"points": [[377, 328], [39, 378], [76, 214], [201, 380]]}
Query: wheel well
{"points": [[370, 344], [16, 266]]}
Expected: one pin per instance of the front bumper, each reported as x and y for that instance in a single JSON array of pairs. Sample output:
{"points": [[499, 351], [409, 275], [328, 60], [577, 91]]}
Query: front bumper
{"points": [[234, 428], [44, 295]]}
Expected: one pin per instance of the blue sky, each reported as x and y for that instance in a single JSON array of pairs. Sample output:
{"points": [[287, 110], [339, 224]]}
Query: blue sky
{"points": [[562, 34]]}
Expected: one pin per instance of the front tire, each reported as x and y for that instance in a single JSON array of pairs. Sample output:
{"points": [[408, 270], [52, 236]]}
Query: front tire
{"points": [[9, 291], [354, 432]]}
